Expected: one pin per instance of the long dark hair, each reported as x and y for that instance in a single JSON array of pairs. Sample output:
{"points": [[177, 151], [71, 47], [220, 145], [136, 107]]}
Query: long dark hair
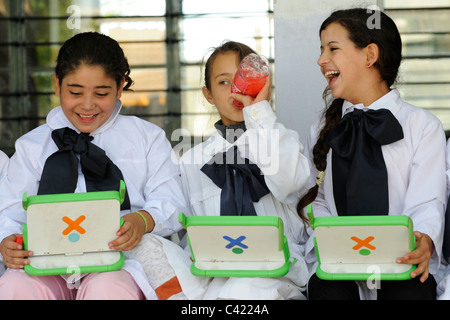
{"points": [[385, 35], [94, 49]]}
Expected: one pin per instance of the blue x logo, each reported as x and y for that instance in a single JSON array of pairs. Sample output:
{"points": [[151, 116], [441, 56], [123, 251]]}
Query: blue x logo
{"points": [[235, 242]]}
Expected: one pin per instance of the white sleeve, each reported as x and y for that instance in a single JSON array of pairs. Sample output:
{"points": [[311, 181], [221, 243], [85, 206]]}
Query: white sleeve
{"points": [[4, 161], [163, 194], [425, 197], [20, 177], [278, 152]]}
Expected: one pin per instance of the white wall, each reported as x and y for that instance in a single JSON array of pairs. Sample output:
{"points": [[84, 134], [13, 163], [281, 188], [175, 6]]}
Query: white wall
{"points": [[298, 82]]}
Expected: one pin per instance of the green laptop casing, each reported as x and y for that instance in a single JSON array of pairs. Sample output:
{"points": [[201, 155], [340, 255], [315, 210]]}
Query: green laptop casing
{"points": [[359, 223], [60, 199], [217, 226]]}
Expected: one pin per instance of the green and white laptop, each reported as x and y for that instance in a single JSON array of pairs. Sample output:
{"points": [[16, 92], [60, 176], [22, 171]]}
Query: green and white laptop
{"points": [[69, 232], [237, 246], [362, 247]]}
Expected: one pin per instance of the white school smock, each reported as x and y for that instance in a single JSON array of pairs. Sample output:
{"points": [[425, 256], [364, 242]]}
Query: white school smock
{"points": [[286, 171], [141, 151], [415, 167], [4, 160]]}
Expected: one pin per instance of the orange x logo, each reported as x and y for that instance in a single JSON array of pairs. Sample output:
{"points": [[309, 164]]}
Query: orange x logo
{"points": [[363, 243], [74, 225]]}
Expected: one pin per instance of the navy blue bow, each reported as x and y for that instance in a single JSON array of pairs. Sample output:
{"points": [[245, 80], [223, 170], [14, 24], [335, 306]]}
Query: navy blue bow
{"points": [[359, 171], [60, 173], [242, 182]]}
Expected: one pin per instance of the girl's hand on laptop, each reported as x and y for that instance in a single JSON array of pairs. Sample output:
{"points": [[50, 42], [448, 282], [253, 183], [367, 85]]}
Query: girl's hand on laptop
{"points": [[132, 230], [421, 256], [13, 254]]}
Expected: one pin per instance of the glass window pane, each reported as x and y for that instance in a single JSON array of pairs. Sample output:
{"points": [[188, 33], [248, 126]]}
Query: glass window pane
{"points": [[431, 96], [196, 51], [4, 82], [42, 82], [426, 44], [144, 102], [97, 7], [389, 4], [225, 7], [149, 78], [133, 29], [147, 53], [45, 103], [47, 8], [195, 103], [132, 7], [420, 21], [4, 39], [199, 125], [425, 70], [253, 31], [136, 29], [434, 97], [42, 56], [192, 77]]}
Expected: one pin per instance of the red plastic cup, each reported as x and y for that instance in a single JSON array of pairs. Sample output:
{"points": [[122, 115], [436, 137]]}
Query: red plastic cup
{"points": [[250, 77]]}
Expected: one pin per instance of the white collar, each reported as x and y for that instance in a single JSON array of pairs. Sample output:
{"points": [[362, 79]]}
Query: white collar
{"points": [[389, 101]]}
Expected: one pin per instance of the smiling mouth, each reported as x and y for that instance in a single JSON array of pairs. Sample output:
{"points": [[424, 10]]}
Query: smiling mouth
{"points": [[87, 118], [332, 75]]}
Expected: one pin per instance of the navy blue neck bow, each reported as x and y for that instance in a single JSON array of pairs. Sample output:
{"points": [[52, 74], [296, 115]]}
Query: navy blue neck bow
{"points": [[242, 182], [60, 173], [360, 183]]}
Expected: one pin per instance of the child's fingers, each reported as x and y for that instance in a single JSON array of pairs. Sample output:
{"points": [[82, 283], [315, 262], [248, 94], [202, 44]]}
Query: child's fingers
{"points": [[420, 256], [264, 94], [13, 255], [125, 242], [413, 257], [422, 270], [245, 100], [128, 238], [16, 263]]}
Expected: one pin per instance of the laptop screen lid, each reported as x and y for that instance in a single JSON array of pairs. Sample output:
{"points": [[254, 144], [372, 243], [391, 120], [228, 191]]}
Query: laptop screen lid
{"points": [[356, 247], [237, 245], [72, 228]]}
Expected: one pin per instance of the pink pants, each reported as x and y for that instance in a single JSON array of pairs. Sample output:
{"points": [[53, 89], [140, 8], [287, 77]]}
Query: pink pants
{"points": [[114, 285]]}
